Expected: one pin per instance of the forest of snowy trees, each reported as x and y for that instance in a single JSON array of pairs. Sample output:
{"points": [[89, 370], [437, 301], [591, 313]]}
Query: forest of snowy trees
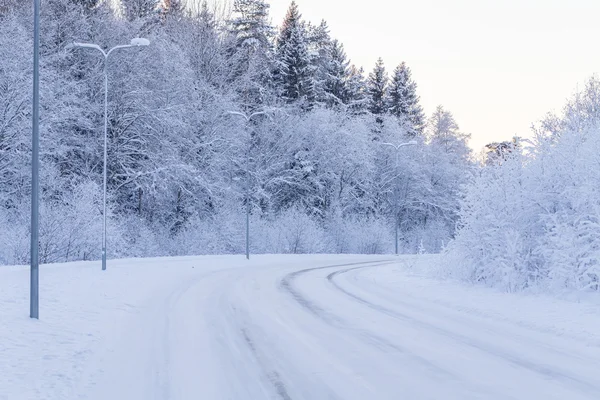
{"points": [[318, 162], [225, 111]]}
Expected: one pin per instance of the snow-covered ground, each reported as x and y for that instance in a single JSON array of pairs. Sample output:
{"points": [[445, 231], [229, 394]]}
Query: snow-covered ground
{"points": [[287, 327]]}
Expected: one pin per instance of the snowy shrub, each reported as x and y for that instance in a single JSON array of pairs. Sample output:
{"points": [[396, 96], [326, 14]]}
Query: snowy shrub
{"points": [[531, 217], [297, 233], [574, 251], [370, 236], [358, 235], [14, 238], [139, 239], [72, 230]]}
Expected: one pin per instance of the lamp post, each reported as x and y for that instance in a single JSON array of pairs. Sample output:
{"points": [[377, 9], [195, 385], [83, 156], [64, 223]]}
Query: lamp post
{"points": [[247, 118], [397, 147], [136, 42], [34, 299]]}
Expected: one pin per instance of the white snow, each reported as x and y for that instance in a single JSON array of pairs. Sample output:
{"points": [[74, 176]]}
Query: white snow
{"points": [[287, 327]]}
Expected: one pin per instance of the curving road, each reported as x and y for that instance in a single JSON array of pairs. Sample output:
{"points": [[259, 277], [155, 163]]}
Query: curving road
{"points": [[342, 331]]}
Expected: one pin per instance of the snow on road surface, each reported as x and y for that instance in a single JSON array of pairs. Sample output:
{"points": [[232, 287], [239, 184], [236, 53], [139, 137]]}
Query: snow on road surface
{"points": [[287, 327]]}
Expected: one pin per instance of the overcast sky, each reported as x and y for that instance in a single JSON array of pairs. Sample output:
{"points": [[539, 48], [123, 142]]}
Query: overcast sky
{"points": [[498, 66]]}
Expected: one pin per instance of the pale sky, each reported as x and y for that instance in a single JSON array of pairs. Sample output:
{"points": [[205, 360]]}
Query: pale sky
{"points": [[497, 65]]}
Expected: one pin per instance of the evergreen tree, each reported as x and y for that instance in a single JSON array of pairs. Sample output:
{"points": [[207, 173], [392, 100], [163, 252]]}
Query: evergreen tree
{"points": [[250, 26], [444, 134], [356, 97], [336, 74], [139, 9], [376, 88], [402, 100], [320, 50], [319, 40], [291, 22], [294, 69], [250, 55]]}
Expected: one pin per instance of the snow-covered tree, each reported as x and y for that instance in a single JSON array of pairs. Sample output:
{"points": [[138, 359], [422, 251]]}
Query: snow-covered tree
{"points": [[377, 87], [139, 9], [443, 132], [291, 22], [320, 47], [251, 56], [295, 72], [250, 24], [336, 76], [402, 100], [357, 96]]}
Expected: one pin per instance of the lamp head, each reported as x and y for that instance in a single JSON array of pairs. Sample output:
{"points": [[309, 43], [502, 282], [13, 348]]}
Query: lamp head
{"points": [[140, 42]]}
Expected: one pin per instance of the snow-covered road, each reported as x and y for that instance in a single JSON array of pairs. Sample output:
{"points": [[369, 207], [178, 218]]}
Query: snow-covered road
{"points": [[313, 327]]}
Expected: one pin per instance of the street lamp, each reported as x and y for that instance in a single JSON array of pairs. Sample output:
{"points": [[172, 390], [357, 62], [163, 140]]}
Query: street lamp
{"points": [[397, 147], [248, 118], [34, 282], [135, 42]]}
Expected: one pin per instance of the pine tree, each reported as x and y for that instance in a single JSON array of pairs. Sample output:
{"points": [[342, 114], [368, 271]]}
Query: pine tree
{"points": [[291, 22], [294, 69], [320, 40], [356, 97], [376, 88], [139, 9], [444, 134], [336, 76], [402, 100], [250, 53], [320, 47], [250, 26]]}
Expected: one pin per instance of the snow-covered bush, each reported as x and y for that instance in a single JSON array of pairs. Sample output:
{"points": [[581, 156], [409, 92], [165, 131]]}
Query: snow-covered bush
{"points": [[531, 216], [359, 235]]}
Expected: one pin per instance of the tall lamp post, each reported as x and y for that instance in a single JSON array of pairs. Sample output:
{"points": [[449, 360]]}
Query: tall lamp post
{"points": [[34, 299], [136, 42], [397, 147], [247, 118]]}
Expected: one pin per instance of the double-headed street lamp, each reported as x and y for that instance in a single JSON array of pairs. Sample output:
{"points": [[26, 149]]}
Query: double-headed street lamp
{"points": [[248, 119], [136, 42], [397, 147]]}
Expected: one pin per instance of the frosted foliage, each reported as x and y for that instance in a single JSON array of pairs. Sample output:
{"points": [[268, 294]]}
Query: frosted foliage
{"points": [[220, 112], [531, 217]]}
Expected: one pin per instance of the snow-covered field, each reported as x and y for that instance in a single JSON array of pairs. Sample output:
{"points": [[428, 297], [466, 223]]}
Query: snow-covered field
{"points": [[287, 327]]}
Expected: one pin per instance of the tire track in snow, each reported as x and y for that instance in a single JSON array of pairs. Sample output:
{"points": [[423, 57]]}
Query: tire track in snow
{"points": [[162, 368], [469, 317], [282, 379], [272, 375], [287, 284], [237, 321], [473, 343]]}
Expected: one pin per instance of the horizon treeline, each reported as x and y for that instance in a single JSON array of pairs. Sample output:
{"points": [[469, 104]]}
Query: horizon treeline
{"points": [[221, 112]]}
